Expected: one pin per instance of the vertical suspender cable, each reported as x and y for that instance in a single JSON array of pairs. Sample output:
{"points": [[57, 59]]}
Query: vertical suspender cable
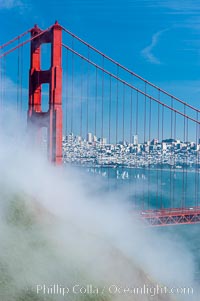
{"points": [[102, 113], [109, 123], [174, 180], [158, 163], [186, 164], [161, 196], [136, 119], [183, 178], [21, 82], [131, 117], [110, 108], [116, 122], [66, 92], [196, 163], [95, 114], [149, 158], [72, 88], [171, 155], [123, 112], [102, 104], [123, 137], [81, 109], [1, 84], [137, 134], [117, 100], [18, 75], [87, 104], [130, 142], [4, 83], [145, 107]]}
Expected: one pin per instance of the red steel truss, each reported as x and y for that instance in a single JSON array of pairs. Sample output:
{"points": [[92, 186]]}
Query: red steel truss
{"points": [[171, 216]]}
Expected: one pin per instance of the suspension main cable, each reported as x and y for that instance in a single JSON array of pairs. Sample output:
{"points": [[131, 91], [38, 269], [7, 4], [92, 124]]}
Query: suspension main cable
{"points": [[24, 43], [129, 71], [129, 85], [14, 39]]}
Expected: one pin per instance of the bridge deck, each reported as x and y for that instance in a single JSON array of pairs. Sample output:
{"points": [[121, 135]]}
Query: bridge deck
{"points": [[171, 216]]}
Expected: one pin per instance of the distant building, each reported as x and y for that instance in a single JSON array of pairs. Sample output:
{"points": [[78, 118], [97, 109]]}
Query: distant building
{"points": [[154, 141], [169, 141], [102, 141], [89, 137], [164, 146], [135, 139], [78, 139], [70, 138]]}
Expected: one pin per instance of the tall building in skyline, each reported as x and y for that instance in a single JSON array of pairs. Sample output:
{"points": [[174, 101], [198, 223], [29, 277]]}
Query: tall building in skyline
{"points": [[135, 139], [89, 137], [102, 141]]}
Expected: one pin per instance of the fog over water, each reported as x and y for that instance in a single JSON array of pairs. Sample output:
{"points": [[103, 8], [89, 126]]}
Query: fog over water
{"points": [[58, 227]]}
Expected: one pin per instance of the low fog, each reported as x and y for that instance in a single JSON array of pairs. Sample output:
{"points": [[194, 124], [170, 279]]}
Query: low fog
{"points": [[59, 229]]}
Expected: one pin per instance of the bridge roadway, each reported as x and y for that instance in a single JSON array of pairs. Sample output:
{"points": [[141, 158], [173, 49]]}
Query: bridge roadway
{"points": [[171, 216]]}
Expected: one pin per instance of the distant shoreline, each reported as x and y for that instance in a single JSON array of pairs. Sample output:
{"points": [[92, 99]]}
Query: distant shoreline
{"points": [[174, 170]]}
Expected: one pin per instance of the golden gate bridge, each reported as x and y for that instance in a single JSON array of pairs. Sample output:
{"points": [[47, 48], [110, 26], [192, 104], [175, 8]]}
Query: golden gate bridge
{"points": [[73, 87]]}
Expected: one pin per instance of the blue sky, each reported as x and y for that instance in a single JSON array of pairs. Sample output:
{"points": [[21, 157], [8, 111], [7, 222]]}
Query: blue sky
{"points": [[158, 39]]}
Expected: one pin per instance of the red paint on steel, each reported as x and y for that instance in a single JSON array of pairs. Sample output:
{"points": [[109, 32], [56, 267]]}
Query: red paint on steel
{"points": [[52, 119], [171, 216], [4, 54]]}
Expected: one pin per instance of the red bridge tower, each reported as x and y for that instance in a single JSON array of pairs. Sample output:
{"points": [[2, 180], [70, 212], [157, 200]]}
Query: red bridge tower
{"points": [[52, 119]]}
